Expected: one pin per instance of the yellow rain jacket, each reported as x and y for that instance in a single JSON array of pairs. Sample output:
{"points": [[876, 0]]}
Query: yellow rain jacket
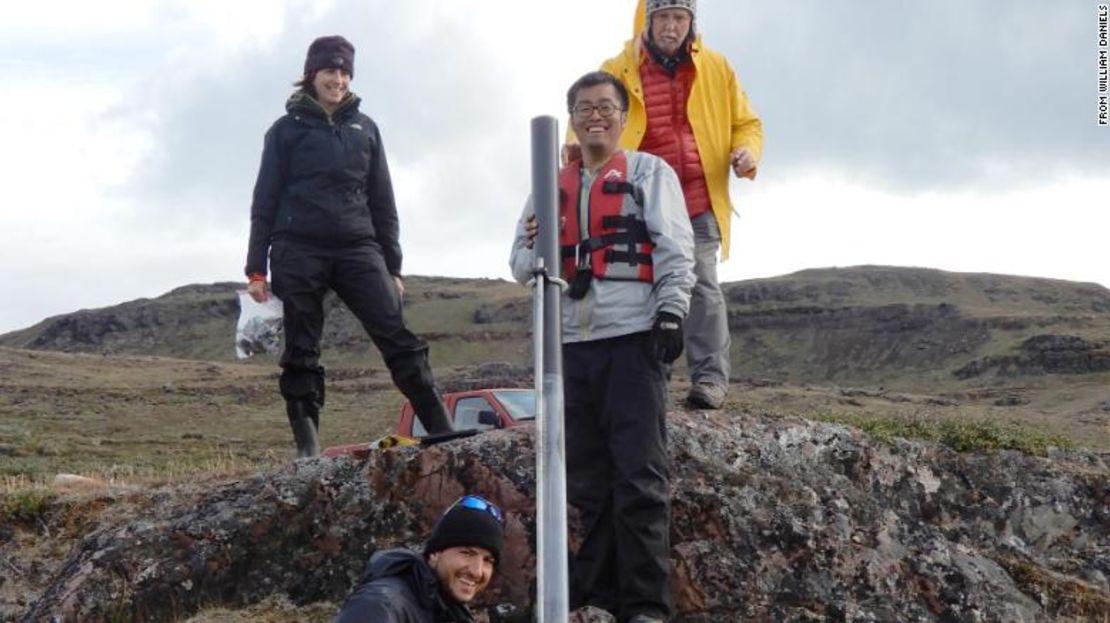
{"points": [[719, 113]]}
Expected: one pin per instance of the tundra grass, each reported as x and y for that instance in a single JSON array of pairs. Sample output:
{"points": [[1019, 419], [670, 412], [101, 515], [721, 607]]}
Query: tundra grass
{"points": [[960, 435]]}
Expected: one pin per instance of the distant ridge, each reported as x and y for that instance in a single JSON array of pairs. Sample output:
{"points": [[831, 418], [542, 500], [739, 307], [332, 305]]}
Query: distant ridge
{"points": [[863, 324]]}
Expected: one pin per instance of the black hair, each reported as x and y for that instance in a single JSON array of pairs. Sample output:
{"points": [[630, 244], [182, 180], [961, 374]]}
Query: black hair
{"points": [[306, 84], [593, 79]]}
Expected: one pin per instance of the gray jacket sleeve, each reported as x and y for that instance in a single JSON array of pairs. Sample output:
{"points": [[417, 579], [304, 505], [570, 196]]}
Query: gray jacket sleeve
{"points": [[522, 259], [668, 225]]}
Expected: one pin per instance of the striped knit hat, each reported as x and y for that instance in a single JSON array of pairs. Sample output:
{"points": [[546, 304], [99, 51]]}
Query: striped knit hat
{"points": [[654, 5]]}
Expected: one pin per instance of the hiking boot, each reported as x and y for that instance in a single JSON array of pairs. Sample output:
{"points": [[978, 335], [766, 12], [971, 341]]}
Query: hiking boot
{"points": [[706, 395], [304, 418], [431, 412]]}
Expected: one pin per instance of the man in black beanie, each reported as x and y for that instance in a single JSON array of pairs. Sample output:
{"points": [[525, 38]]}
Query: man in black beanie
{"points": [[459, 558]]}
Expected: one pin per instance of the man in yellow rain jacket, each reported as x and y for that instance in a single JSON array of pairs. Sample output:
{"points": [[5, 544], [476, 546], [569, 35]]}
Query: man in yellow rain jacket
{"points": [[687, 107]]}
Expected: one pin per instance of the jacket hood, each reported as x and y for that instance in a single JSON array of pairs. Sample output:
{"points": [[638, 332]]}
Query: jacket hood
{"points": [[414, 570], [301, 102], [404, 564]]}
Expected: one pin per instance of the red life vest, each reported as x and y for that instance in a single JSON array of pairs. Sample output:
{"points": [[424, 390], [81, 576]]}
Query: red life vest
{"points": [[616, 245], [669, 134]]}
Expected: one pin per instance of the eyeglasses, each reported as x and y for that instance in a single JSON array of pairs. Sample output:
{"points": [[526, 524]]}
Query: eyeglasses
{"points": [[479, 503], [585, 111]]}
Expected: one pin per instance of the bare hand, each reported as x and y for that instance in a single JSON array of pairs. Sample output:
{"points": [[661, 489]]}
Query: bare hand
{"points": [[743, 164], [571, 152], [259, 291], [531, 228], [400, 285]]}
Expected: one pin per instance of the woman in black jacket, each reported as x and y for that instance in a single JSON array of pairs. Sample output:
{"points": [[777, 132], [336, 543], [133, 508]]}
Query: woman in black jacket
{"points": [[323, 209]]}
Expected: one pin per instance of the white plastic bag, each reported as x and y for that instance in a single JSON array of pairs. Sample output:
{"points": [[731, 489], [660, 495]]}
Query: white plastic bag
{"points": [[259, 328]]}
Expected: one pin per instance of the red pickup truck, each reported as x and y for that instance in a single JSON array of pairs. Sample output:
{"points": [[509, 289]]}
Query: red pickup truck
{"points": [[480, 410]]}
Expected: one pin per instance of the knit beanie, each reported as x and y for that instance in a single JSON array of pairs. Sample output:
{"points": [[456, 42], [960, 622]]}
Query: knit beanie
{"points": [[330, 52], [461, 526], [655, 5]]}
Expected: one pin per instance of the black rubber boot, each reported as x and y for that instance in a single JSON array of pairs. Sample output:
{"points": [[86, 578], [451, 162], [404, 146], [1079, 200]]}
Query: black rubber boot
{"points": [[432, 412], [304, 419]]}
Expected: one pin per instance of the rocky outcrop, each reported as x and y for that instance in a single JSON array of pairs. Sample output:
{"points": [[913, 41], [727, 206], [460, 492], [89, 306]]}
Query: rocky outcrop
{"points": [[517, 312], [179, 323], [844, 343], [1044, 354], [198, 321], [773, 519]]}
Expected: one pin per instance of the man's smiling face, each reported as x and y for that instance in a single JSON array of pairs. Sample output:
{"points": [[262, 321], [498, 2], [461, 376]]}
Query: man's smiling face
{"points": [[598, 133], [463, 572]]}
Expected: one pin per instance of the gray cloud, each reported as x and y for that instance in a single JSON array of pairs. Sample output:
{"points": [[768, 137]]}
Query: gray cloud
{"points": [[900, 94], [913, 94], [432, 91], [905, 96]]}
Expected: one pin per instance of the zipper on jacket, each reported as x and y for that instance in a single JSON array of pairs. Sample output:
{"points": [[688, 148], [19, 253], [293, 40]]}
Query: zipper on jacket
{"points": [[676, 127], [337, 143]]}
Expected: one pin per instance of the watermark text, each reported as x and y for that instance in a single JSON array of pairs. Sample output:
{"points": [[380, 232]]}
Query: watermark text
{"points": [[1103, 65]]}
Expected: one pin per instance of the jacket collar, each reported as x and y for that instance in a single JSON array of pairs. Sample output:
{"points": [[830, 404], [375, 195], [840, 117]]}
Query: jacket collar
{"points": [[414, 570], [302, 103]]}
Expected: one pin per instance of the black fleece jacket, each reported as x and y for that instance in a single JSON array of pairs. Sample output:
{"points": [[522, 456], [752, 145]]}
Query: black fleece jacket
{"points": [[323, 180], [399, 587]]}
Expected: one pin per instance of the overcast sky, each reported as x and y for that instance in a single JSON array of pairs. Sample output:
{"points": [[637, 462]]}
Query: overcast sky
{"points": [[952, 134]]}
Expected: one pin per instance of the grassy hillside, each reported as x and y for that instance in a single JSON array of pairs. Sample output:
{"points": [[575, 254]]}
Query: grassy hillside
{"points": [[132, 417], [904, 328], [151, 386], [198, 322], [153, 417]]}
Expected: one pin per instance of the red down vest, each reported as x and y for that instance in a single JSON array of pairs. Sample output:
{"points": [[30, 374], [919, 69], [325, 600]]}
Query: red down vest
{"points": [[669, 134]]}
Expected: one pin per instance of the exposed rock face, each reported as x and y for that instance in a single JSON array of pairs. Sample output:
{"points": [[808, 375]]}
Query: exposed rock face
{"points": [[884, 325], [773, 519], [1044, 354], [841, 343]]}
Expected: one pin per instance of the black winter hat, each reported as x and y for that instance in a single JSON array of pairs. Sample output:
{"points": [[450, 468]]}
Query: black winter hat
{"points": [[328, 52], [471, 522]]}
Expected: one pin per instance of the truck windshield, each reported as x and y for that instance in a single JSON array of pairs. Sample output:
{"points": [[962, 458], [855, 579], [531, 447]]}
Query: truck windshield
{"points": [[520, 404]]}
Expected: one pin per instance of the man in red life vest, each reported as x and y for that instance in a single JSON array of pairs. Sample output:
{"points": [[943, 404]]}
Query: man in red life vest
{"points": [[628, 253], [688, 107]]}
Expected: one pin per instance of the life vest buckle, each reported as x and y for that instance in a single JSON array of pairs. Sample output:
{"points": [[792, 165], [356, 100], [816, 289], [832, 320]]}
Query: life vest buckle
{"points": [[583, 257]]}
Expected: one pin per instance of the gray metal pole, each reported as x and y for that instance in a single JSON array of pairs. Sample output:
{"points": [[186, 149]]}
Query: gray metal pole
{"points": [[552, 592]]}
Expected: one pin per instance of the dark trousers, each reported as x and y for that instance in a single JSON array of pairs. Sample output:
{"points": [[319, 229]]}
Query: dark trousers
{"points": [[301, 275], [616, 445]]}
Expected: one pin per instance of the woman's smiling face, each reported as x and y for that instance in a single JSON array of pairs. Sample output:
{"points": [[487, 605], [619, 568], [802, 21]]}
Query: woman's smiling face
{"points": [[331, 86]]}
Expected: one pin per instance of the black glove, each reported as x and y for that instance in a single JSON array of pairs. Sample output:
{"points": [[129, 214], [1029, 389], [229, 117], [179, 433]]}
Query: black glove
{"points": [[666, 337]]}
